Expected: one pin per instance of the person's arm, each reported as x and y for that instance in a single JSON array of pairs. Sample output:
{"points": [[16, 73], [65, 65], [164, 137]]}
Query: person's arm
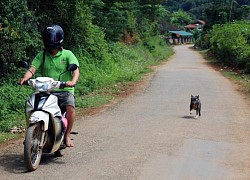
{"points": [[74, 78], [28, 75]]}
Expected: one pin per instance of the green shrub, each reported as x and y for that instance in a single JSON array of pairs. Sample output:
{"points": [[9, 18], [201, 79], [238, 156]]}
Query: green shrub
{"points": [[124, 63], [12, 106], [230, 43]]}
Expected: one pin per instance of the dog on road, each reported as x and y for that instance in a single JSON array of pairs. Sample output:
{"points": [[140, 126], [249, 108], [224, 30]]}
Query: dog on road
{"points": [[195, 104]]}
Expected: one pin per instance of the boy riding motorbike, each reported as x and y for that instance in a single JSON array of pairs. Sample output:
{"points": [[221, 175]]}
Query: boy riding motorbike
{"points": [[52, 61]]}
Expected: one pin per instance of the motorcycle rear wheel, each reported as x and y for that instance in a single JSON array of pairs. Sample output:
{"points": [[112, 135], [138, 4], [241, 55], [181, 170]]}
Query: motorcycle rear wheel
{"points": [[32, 146]]}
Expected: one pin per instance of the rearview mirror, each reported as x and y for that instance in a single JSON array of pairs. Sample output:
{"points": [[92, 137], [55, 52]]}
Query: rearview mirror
{"points": [[23, 64], [71, 67]]}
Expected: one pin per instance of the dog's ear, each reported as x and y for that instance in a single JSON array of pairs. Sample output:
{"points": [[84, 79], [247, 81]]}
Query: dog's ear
{"points": [[192, 96], [198, 96]]}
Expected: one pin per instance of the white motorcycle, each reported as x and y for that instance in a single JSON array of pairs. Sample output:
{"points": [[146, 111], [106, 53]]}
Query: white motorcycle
{"points": [[46, 123]]}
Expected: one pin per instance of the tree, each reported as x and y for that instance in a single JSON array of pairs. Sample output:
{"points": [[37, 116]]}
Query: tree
{"points": [[18, 35], [230, 11], [180, 18], [163, 19]]}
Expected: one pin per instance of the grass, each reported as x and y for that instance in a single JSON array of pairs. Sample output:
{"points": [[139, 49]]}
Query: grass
{"points": [[6, 137], [93, 100]]}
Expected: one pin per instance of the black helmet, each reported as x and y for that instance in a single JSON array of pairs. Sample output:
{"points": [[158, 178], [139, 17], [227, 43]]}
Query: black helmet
{"points": [[53, 37]]}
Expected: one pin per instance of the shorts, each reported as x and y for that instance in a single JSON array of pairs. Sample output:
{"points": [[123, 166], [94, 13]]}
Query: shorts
{"points": [[65, 98]]}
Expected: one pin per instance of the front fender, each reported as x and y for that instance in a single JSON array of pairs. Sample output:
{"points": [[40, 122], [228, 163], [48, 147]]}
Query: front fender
{"points": [[40, 116]]}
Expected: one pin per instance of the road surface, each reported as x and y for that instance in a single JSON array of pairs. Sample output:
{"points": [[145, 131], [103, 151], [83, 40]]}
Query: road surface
{"points": [[152, 136]]}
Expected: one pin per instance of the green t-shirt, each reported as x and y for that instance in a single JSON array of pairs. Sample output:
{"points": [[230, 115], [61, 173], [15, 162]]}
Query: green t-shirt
{"points": [[54, 66]]}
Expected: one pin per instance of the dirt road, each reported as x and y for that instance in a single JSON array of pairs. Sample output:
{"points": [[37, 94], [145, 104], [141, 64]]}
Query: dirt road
{"points": [[151, 135]]}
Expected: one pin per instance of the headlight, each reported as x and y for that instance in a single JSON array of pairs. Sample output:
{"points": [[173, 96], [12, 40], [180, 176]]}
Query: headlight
{"points": [[42, 86]]}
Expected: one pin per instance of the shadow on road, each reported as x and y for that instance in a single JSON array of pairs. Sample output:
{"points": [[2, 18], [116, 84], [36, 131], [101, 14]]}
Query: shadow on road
{"points": [[14, 163], [48, 159], [188, 117]]}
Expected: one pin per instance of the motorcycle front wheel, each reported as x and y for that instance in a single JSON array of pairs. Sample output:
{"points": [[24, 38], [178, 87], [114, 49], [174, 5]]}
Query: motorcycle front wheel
{"points": [[32, 146]]}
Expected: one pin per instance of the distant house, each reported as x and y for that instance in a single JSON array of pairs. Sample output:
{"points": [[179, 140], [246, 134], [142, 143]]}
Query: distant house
{"points": [[198, 24], [181, 37]]}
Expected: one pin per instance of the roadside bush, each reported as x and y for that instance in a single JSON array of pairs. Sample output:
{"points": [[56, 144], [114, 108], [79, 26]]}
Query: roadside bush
{"points": [[12, 106], [124, 63], [230, 43]]}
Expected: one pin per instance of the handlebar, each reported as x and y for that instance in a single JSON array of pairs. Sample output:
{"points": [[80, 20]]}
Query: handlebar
{"points": [[63, 85], [24, 83], [48, 84]]}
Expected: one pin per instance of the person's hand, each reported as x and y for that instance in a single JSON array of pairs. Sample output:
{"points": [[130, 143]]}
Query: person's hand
{"points": [[70, 83], [21, 81]]}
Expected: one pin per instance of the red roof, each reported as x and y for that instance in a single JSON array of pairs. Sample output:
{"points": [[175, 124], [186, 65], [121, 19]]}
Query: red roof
{"points": [[201, 22], [190, 26]]}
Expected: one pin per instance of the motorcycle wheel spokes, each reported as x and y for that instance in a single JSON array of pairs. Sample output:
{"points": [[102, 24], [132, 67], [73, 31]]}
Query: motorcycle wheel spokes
{"points": [[32, 147]]}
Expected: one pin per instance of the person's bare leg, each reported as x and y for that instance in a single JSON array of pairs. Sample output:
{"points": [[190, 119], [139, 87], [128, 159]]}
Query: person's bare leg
{"points": [[70, 115]]}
